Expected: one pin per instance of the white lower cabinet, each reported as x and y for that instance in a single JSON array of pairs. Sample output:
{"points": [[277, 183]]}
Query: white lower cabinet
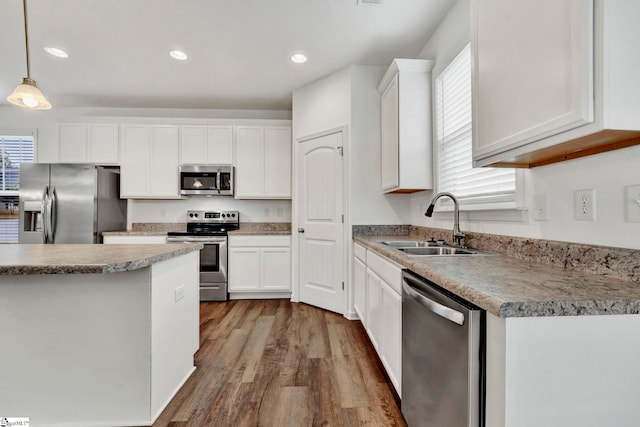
{"points": [[377, 284], [359, 288], [134, 240], [259, 266]]}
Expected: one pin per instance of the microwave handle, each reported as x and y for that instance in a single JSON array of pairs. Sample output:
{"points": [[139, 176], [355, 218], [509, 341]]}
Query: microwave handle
{"points": [[218, 180]]}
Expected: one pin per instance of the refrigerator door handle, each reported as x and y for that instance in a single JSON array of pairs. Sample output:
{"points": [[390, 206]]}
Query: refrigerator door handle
{"points": [[53, 199], [43, 209]]}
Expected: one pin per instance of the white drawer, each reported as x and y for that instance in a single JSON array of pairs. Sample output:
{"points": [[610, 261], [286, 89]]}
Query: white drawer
{"points": [[360, 252], [259, 241], [388, 271]]}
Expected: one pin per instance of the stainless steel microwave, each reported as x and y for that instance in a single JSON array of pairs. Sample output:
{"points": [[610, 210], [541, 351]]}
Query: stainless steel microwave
{"points": [[206, 180]]}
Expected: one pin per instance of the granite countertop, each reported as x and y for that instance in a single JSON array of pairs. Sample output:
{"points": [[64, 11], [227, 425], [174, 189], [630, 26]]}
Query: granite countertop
{"points": [[246, 228], [85, 259], [507, 286], [262, 228]]}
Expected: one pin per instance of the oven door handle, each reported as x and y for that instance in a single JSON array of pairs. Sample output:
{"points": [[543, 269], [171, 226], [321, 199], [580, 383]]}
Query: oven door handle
{"points": [[204, 240]]}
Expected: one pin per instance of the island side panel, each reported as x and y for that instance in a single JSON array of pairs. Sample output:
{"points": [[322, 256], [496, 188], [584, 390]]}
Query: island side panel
{"points": [[75, 348], [569, 371], [175, 317]]}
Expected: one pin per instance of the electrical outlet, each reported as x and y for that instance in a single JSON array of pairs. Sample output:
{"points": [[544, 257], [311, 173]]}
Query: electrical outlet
{"points": [[540, 208], [178, 293], [632, 203], [585, 205], [267, 212]]}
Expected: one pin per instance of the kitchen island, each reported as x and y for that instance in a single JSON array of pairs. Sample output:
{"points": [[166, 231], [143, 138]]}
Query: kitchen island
{"points": [[96, 334], [562, 345]]}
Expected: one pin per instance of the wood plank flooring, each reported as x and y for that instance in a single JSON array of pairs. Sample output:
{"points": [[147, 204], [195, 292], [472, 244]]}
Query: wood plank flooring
{"points": [[276, 363]]}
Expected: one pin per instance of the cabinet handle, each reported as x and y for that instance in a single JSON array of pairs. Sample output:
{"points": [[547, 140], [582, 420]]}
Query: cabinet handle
{"points": [[300, 230]]}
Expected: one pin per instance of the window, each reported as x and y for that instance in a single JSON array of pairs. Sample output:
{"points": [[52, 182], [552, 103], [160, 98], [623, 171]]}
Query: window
{"points": [[14, 150], [479, 188]]}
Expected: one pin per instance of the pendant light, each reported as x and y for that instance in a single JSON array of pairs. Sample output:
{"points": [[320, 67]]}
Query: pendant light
{"points": [[27, 94]]}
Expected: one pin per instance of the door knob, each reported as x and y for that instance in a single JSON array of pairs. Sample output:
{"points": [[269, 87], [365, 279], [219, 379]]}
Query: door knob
{"points": [[300, 230]]}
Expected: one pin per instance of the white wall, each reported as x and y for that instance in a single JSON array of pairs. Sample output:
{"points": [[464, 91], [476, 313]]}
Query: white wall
{"points": [[349, 97], [607, 173], [176, 210], [368, 204]]}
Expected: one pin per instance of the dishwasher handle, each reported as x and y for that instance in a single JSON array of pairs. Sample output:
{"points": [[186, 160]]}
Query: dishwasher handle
{"points": [[437, 308]]}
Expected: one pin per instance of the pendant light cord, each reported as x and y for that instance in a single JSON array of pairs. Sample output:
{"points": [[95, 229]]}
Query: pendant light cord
{"points": [[26, 37]]}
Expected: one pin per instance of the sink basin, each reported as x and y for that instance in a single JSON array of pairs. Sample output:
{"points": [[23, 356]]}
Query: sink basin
{"points": [[437, 250], [408, 243], [415, 248]]}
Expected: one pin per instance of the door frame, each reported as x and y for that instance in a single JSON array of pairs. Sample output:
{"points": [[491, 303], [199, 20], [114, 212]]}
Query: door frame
{"points": [[346, 229]]}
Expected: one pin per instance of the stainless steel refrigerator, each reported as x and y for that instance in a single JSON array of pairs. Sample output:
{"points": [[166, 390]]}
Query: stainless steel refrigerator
{"points": [[69, 203]]}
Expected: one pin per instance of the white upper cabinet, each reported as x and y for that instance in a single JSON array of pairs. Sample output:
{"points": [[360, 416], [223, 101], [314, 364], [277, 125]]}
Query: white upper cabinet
{"points": [[206, 145], [88, 143], [263, 162], [553, 78], [406, 159], [149, 166]]}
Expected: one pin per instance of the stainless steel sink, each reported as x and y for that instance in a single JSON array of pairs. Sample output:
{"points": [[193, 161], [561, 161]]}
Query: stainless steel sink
{"points": [[408, 243], [416, 248], [437, 250]]}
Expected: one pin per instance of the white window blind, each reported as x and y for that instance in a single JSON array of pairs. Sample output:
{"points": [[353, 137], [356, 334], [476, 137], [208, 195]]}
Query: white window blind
{"points": [[14, 150], [454, 141]]}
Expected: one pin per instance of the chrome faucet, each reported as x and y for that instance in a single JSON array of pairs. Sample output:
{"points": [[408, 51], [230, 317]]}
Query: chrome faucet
{"points": [[457, 234]]}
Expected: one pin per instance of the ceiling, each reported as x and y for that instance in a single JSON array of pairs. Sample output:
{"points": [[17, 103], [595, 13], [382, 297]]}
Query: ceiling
{"points": [[238, 49]]}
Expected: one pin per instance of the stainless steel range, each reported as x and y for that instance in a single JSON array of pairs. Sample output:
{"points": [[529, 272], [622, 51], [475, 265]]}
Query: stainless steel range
{"points": [[210, 228]]}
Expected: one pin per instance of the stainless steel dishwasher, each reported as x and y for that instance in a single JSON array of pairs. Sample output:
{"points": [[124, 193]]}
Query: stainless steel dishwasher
{"points": [[443, 357]]}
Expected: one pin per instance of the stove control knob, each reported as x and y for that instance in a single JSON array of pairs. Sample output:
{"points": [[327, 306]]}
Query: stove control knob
{"points": [[191, 215], [233, 215], [224, 215]]}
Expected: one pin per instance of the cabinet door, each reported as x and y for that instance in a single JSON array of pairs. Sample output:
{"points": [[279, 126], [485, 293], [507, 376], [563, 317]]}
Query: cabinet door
{"points": [[530, 82], [135, 162], [374, 309], [359, 289], [103, 144], [390, 136], [276, 269], [164, 178], [391, 332], [193, 144], [277, 162], [206, 145], [250, 162], [72, 143], [220, 145], [244, 269]]}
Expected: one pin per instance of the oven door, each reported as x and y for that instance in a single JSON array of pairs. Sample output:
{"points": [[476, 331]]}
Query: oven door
{"points": [[213, 265]]}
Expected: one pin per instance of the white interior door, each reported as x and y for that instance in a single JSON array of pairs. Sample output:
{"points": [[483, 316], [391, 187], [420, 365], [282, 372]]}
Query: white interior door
{"points": [[320, 221]]}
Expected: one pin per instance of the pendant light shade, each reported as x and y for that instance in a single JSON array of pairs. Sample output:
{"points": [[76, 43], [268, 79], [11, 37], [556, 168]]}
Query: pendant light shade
{"points": [[27, 94]]}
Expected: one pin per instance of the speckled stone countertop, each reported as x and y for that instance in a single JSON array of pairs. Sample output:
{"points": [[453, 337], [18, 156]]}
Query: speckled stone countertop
{"points": [[85, 259], [161, 229], [257, 228], [508, 286]]}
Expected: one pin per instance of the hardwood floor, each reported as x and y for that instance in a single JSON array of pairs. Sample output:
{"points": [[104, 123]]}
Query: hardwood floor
{"points": [[277, 363]]}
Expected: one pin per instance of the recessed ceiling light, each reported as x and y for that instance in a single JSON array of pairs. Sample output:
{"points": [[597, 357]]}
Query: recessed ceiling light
{"points": [[178, 54], [56, 52], [299, 58]]}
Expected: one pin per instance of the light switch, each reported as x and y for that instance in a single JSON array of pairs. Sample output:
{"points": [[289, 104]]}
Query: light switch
{"points": [[632, 203]]}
